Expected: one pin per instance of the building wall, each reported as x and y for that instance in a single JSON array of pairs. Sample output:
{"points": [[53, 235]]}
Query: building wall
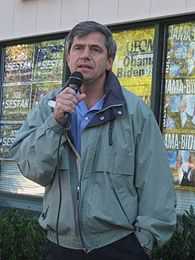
{"points": [[24, 18]]}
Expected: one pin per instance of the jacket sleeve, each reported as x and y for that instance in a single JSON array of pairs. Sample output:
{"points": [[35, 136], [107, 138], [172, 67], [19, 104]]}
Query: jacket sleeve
{"points": [[156, 217], [36, 145]]}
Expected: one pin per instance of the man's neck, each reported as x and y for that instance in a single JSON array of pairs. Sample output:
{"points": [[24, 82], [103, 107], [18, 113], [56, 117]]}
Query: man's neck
{"points": [[92, 98], [94, 92]]}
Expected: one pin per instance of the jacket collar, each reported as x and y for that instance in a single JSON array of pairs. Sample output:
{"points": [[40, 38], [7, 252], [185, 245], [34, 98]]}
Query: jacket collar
{"points": [[114, 102]]}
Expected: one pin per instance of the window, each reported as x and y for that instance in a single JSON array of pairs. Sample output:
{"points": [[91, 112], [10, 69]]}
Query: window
{"points": [[179, 110], [134, 60], [30, 71]]}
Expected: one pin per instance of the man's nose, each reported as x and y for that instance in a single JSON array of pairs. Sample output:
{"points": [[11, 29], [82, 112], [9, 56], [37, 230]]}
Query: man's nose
{"points": [[86, 53]]}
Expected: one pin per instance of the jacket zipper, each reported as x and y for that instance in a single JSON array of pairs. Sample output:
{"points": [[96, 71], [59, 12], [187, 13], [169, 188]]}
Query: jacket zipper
{"points": [[78, 220], [78, 190]]}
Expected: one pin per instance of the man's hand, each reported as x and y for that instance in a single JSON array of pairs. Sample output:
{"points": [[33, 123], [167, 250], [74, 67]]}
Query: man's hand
{"points": [[66, 102]]}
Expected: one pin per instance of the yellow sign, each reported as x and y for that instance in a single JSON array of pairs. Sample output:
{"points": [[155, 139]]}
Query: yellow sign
{"points": [[134, 60]]}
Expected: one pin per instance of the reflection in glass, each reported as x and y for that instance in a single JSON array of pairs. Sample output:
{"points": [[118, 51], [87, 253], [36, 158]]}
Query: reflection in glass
{"points": [[179, 104], [134, 60], [30, 71]]}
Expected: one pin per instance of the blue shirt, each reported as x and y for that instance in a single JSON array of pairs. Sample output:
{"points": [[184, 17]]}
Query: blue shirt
{"points": [[80, 119]]}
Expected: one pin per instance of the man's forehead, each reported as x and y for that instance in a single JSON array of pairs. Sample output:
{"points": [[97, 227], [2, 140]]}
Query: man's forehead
{"points": [[192, 155], [93, 37]]}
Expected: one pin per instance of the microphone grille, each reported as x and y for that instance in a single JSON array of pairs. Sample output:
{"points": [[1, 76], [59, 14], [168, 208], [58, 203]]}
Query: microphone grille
{"points": [[76, 78]]}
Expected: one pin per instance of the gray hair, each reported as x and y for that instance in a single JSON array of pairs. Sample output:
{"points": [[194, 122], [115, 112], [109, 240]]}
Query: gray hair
{"points": [[87, 27]]}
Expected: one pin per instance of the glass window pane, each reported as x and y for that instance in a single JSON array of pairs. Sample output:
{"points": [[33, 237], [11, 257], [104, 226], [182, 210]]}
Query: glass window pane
{"points": [[16, 102], [48, 61], [30, 71], [134, 60], [18, 63], [7, 137], [179, 109]]}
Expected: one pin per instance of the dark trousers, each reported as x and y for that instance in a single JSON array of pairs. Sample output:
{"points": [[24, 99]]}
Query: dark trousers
{"points": [[127, 248]]}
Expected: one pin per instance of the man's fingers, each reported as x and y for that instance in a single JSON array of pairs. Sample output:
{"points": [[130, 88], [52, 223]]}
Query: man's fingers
{"points": [[66, 102], [81, 97]]}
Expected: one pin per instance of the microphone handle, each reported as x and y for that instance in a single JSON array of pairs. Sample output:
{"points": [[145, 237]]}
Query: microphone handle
{"points": [[51, 103], [74, 87]]}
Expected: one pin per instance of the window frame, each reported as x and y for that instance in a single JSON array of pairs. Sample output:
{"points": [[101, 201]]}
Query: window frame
{"points": [[158, 74]]}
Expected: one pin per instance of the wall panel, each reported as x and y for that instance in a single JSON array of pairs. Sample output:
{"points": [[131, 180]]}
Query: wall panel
{"points": [[133, 10], [48, 15], [73, 12], [190, 4], [24, 22], [107, 12], [6, 19], [167, 7], [23, 18]]}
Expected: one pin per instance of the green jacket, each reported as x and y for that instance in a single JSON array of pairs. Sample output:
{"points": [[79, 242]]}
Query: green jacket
{"points": [[120, 184]]}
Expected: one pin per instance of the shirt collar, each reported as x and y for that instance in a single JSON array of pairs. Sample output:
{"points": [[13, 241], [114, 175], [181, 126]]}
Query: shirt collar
{"points": [[83, 109]]}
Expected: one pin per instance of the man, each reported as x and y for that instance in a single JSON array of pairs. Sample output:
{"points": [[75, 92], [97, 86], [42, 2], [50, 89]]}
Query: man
{"points": [[180, 118], [108, 189], [186, 168]]}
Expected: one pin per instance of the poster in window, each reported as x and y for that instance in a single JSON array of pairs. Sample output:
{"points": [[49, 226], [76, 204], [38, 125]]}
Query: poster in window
{"points": [[7, 137], [49, 61], [179, 105], [134, 60], [16, 102], [41, 89], [30, 71], [18, 63]]}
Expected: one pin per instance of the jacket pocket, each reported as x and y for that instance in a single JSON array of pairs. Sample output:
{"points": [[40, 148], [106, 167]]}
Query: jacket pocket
{"points": [[115, 160], [58, 209], [123, 162], [110, 197], [111, 188], [123, 188]]}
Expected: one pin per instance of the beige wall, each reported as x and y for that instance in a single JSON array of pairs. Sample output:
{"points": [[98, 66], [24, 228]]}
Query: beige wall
{"points": [[22, 18]]}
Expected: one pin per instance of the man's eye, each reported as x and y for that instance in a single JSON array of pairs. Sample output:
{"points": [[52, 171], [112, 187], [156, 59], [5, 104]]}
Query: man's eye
{"points": [[96, 49], [77, 47]]}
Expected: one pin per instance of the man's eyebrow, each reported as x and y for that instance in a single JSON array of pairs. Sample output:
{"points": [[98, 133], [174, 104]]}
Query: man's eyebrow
{"points": [[91, 46], [77, 43], [96, 46]]}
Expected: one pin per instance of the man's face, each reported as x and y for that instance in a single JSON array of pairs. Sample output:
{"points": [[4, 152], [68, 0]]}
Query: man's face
{"points": [[192, 158], [183, 106], [89, 55]]}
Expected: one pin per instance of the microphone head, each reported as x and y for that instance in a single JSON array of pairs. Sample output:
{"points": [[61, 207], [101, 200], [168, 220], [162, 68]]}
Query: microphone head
{"points": [[75, 80]]}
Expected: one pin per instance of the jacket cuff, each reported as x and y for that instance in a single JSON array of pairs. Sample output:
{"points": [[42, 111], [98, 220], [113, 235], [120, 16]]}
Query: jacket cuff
{"points": [[54, 125], [145, 239]]}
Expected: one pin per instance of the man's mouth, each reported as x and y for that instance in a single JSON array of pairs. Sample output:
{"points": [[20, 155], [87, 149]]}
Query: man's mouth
{"points": [[85, 66]]}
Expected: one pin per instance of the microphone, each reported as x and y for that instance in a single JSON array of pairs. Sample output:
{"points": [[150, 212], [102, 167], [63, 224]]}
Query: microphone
{"points": [[74, 81]]}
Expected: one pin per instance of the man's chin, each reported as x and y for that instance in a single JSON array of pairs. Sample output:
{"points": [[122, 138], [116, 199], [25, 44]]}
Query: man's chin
{"points": [[87, 80]]}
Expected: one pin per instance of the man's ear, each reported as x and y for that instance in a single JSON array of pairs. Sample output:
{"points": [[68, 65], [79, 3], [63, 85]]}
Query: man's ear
{"points": [[67, 58], [66, 71], [109, 64]]}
